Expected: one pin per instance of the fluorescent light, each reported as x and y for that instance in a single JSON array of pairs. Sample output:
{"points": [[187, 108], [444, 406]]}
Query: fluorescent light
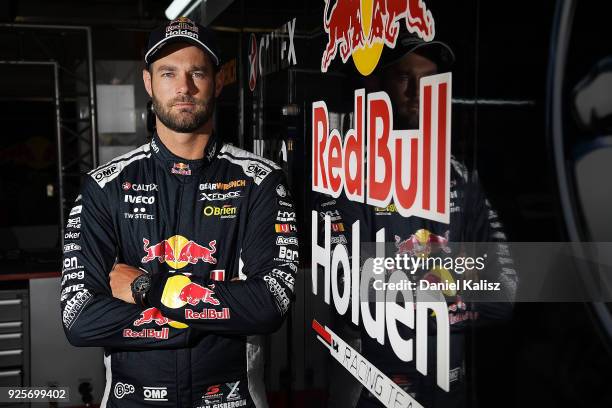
{"points": [[196, 4], [175, 8]]}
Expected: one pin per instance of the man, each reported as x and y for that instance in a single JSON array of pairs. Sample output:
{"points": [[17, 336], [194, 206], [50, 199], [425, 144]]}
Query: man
{"points": [[183, 247], [471, 220]]}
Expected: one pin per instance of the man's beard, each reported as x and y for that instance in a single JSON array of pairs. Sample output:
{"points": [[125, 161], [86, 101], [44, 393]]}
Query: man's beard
{"points": [[186, 120]]}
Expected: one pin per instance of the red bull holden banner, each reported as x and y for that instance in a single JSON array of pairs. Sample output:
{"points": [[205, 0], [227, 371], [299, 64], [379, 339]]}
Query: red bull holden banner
{"points": [[412, 169], [377, 165]]}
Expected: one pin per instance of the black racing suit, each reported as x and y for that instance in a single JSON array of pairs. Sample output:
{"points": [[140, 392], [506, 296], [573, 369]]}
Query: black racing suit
{"points": [[471, 220], [218, 238]]}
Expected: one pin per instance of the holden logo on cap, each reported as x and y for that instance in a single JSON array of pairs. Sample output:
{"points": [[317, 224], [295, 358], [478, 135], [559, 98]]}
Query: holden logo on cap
{"points": [[182, 26]]}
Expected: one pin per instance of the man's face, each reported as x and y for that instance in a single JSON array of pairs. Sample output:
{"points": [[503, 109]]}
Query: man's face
{"points": [[183, 86], [401, 82]]}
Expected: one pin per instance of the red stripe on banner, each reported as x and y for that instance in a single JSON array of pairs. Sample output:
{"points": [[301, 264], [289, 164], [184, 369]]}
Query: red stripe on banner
{"points": [[321, 332], [442, 94], [426, 126]]}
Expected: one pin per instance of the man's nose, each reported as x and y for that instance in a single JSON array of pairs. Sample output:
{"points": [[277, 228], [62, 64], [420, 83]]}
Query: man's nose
{"points": [[411, 85], [185, 84]]}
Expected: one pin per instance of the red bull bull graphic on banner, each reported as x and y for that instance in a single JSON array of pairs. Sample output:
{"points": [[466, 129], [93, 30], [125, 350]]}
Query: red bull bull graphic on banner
{"points": [[178, 251], [361, 28], [422, 243]]}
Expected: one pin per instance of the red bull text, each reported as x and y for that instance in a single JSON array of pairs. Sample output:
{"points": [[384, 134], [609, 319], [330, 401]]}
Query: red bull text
{"points": [[410, 167], [207, 314]]}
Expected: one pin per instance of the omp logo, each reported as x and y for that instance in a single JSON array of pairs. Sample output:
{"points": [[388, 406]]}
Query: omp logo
{"points": [[155, 393], [258, 172], [105, 172], [362, 28]]}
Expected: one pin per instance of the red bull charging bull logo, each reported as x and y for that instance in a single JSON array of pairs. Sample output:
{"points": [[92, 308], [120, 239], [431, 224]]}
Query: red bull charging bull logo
{"points": [[151, 315], [362, 28], [178, 251], [193, 294], [422, 243]]}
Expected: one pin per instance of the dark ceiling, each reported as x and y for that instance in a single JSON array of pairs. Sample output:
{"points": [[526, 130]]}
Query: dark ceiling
{"points": [[134, 14]]}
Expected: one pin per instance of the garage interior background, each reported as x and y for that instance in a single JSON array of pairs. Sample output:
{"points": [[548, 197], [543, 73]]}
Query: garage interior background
{"points": [[71, 97]]}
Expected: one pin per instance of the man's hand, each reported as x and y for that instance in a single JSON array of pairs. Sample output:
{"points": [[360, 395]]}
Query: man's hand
{"points": [[121, 278]]}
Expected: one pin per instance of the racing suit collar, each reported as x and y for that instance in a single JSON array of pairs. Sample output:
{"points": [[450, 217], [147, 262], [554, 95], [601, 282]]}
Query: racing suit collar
{"points": [[178, 165]]}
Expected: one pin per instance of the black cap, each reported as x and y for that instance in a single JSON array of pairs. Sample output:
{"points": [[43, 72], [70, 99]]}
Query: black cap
{"points": [[181, 29], [436, 51]]}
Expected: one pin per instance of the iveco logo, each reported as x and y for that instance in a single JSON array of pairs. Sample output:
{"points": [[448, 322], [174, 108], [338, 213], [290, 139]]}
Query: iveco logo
{"points": [[139, 199]]}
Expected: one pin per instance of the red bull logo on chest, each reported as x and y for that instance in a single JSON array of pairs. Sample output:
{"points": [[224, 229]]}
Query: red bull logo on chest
{"points": [[178, 251], [362, 28]]}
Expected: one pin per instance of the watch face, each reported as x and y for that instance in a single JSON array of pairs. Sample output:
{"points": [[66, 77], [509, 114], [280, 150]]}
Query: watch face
{"points": [[141, 284]]}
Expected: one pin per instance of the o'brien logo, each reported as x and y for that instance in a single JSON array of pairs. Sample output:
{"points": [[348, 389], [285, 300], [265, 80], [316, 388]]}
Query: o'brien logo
{"points": [[362, 28], [410, 167]]}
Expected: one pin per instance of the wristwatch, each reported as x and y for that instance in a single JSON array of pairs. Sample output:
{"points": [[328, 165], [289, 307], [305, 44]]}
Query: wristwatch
{"points": [[140, 286]]}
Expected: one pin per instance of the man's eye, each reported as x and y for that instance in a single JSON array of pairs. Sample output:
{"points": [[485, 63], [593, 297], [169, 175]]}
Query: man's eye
{"points": [[198, 74], [167, 74]]}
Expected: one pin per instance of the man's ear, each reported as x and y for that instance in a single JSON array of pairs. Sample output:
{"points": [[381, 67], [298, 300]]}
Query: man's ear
{"points": [[219, 76], [146, 78]]}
